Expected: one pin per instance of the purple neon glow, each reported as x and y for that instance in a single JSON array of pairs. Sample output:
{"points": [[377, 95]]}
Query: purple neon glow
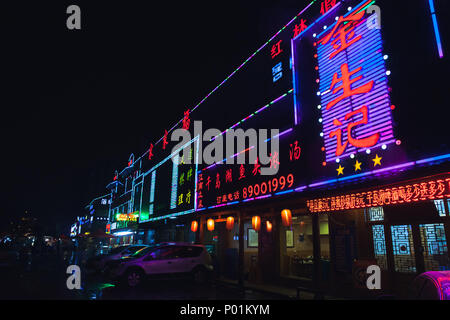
{"points": [[365, 53], [445, 157], [264, 197], [251, 115], [237, 69]]}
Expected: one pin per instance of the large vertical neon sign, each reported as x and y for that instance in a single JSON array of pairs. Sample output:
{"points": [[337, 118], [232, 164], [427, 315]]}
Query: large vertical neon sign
{"points": [[353, 90]]}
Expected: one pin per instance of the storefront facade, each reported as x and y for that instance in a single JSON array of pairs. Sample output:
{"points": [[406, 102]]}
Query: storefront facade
{"points": [[360, 170]]}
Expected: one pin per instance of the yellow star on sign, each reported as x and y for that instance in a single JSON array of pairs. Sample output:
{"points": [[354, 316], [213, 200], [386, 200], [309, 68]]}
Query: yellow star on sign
{"points": [[340, 170], [357, 165], [377, 161]]}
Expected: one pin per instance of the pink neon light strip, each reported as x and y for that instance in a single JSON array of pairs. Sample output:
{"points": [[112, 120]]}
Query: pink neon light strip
{"points": [[237, 69]]}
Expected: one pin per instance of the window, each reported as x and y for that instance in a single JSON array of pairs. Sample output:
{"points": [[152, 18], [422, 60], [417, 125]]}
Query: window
{"points": [[403, 249], [435, 247], [190, 252], [440, 207], [379, 245], [376, 214]]}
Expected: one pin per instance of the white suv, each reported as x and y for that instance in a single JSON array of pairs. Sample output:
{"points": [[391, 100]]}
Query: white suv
{"points": [[167, 259]]}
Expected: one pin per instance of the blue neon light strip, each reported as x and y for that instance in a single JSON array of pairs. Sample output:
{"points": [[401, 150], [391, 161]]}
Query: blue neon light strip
{"points": [[436, 29]]}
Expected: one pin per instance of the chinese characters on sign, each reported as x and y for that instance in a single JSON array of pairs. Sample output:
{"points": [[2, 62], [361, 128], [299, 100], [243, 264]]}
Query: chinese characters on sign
{"points": [[353, 88], [413, 192]]}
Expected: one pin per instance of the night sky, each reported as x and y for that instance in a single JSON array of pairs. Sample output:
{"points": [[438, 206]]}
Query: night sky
{"points": [[76, 104]]}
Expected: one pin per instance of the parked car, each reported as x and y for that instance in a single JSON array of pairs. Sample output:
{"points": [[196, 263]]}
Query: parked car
{"points": [[431, 285], [164, 260], [98, 263]]}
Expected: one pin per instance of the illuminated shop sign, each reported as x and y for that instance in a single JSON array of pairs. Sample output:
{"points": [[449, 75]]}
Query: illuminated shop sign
{"points": [[133, 216], [169, 188], [353, 90], [221, 185], [341, 127], [123, 224], [411, 192], [324, 80]]}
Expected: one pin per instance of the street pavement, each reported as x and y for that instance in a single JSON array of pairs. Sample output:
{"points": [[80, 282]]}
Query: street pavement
{"points": [[43, 277]]}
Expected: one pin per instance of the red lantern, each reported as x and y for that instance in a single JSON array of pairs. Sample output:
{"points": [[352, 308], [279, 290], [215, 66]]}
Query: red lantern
{"points": [[268, 226], [210, 224], [256, 222], [230, 223], [194, 226], [286, 217]]}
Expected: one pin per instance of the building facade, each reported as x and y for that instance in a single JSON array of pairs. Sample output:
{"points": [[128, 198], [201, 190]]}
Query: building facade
{"points": [[362, 165]]}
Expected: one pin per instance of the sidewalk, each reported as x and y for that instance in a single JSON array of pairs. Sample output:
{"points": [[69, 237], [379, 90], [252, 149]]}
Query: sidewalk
{"points": [[283, 291]]}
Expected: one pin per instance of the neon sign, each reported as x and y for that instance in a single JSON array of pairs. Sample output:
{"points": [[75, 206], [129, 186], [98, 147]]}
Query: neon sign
{"points": [[422, 190], [355, 101]]}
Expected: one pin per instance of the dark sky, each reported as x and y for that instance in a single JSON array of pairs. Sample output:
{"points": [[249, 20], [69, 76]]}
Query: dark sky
{"points": [[77, 103]]}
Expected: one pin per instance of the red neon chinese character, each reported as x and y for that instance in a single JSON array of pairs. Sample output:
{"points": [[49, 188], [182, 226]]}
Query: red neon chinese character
{"points": [[359, 143], [186, 120], [241, 172], [345, 35], [150, 152], [327, 5], [200, 182], [228, 176], [440, 188], [256, 167], [165, 143], [274, 161], [276, 49], [208, 182], [300, 27], [217, 181], [346, 86], [295, 151]]}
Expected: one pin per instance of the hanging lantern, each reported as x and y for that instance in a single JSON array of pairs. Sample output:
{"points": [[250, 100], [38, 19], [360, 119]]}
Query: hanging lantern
{"points": [[230, 223], [286, 217], [210, 224], [268, 226], [194, 226], [256, 222]]}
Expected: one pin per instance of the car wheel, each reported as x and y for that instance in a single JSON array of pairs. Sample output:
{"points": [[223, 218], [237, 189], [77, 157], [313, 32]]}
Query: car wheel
{"points": [[200, 276], [134, 278]]}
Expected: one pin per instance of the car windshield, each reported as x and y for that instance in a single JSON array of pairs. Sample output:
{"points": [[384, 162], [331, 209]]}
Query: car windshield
{"points": [[142, 252], [117, 250], [134, 249]]}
